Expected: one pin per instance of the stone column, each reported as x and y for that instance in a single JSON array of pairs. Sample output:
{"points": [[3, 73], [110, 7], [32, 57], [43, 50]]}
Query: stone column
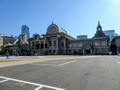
{"points": [[44, 43], [91, 51], [39, 48], [52, 43], [57, 42], [83, 51], [39, 45], [57, 46], [35, 45]]}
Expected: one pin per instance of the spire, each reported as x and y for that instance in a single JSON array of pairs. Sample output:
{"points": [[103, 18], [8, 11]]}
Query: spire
{"points": [[98, 22], [52, 22], [99, 26], [99, 32]]}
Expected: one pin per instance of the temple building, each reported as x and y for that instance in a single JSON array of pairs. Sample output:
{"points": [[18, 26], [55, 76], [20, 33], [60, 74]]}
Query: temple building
{"points": [[57, 41]]}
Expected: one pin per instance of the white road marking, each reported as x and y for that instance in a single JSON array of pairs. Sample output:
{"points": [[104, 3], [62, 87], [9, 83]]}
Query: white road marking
{"points": [[4, 80], [38, 88], [52, 64], [44, 64], [67, 63], [31, 83], [118, 62]]}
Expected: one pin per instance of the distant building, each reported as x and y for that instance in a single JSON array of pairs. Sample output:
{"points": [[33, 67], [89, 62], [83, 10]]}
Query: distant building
{"points": [[23, 38], [111, 34], [19, 46], [1, 41], [7, 39], [82, 37], [1, 35], [25, 30], [16, 37]]}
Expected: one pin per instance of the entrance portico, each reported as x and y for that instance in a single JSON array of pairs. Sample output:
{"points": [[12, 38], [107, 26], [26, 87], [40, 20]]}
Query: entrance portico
{"points": [[87, 50]]}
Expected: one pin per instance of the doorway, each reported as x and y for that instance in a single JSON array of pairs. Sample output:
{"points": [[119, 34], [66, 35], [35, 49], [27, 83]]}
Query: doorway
{"points": [[87, 52]]}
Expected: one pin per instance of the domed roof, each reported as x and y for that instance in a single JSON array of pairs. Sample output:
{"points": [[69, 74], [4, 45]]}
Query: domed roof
{"points": [[53, 28], [62, 30]]}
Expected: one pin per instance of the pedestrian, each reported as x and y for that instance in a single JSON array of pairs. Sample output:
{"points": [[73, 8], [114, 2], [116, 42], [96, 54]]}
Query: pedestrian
{"points": [[7, 55], [17, 54]]}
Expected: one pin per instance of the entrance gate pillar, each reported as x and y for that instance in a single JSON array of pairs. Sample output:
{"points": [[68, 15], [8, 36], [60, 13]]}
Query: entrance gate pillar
{"points": [[91, 51], [83, 51]]}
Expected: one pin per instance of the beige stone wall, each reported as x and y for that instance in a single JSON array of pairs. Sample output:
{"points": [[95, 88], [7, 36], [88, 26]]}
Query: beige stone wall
{"points": [[7, 39], [1, 41], [99, 46], [55, 45]]}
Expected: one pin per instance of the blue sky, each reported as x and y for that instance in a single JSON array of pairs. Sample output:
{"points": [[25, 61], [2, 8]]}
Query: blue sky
{"points": [[77, 17]]}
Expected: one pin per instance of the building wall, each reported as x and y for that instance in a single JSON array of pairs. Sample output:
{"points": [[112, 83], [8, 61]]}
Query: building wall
{"points": [[25, 30], [51, 46], [56, 41], [18, 49], [1, 41], [7, 39], [23, 38], [89, 46]]}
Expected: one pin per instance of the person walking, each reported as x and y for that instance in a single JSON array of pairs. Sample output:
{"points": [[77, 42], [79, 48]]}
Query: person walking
{"points": [[7, 55]]}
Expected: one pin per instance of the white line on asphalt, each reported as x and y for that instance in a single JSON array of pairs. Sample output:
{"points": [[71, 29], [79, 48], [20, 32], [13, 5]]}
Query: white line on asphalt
{"points": [[31, 83], [4, 80], [38, 88], [43, 64], [52, 64], [67, 63]]}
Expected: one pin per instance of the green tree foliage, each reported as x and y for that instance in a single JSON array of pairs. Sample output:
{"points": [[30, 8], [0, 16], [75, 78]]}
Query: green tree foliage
{"points": [[113, 49], [3, 49]]}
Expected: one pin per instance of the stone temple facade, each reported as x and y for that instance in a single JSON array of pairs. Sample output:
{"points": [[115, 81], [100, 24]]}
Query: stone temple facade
{"points": [[56, 41]]}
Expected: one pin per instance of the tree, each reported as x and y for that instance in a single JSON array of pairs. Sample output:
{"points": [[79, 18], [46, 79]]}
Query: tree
{"points": [[113, 49], [3, 50]]}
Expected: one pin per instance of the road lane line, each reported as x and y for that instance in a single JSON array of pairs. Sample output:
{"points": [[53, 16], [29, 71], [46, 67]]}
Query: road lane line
{"points": [[43, 64], [4, 80], [38, 88], [67, 63], [31, 83], [51, 62]]}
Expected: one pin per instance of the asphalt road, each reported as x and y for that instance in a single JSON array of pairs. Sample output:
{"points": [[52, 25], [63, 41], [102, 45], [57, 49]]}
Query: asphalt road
{"points": [[96, 73]]}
